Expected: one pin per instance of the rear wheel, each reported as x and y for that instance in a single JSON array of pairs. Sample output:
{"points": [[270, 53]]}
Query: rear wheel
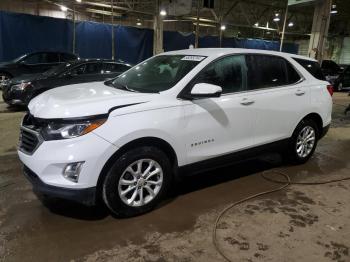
{"points": [[303, 142], [137, 181]]}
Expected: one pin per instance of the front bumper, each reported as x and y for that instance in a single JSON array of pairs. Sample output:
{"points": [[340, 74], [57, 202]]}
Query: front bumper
{"points": [[86, 196], [44, 167], [14, 98]]}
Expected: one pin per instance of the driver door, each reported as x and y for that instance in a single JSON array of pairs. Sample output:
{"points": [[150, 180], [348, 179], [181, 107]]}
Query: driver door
{"points": [[222, 125]]}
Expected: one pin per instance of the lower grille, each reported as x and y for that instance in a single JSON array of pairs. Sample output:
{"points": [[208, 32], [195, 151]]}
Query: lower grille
{"points": [[29, 140]]}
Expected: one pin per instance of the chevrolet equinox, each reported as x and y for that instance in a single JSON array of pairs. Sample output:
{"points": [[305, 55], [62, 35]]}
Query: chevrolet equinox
{"points": [[125, 141]]}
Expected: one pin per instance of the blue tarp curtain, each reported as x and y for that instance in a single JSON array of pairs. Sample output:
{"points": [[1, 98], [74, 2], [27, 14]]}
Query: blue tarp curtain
{"points": [[22, 33], [93, 40], [133, 44]]}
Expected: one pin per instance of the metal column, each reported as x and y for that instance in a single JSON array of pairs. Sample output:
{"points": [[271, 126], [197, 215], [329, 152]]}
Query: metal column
{"points": [[319, 30], [113, 37], [158, 32]]}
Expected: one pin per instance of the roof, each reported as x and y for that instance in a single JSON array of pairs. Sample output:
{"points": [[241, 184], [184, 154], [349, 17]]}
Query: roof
{"points": [[226, 51], [81, 61]]}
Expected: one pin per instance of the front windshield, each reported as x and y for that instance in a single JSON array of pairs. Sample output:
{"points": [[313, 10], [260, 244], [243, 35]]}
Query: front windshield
{"points": [[157, 74], [18, 59], [57, 69]]}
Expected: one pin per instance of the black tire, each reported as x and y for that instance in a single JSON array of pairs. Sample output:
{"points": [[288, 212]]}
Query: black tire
{"points": [[291, 154], [110, 193]]}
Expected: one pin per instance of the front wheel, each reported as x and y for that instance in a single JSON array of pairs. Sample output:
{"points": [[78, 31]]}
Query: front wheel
{"points": [[137, 181], [303, 142]]}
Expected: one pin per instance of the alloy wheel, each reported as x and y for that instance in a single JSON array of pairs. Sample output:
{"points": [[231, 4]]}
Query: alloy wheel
{"points": [[140, 182], [305, 141]]}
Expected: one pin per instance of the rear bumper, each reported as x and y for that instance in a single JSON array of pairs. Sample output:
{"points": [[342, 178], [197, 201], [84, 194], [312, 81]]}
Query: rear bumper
{"points": [[86, 196]]}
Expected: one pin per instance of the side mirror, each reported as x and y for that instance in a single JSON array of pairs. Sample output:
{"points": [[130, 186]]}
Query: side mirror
{"points": [[204, 90]]}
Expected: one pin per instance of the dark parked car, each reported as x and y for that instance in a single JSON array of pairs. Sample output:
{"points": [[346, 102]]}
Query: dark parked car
{"points": [[343, 81], [32, 63], [19, 91], [331, 70]]}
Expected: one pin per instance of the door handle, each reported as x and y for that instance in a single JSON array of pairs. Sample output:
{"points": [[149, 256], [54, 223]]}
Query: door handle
{"points": [[300, 92], [247, 102]]}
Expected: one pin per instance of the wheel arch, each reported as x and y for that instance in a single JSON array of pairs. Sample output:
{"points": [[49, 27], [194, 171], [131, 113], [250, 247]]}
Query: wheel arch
{"points": [[317, 119], [144, 141]]}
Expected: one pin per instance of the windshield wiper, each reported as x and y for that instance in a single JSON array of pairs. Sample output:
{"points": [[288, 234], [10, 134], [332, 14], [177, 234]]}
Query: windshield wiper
{"points": [[121, 86]]}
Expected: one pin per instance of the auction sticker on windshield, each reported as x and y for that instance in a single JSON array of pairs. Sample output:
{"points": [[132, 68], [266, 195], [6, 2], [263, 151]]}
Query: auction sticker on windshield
{"points": [[193, 58]]}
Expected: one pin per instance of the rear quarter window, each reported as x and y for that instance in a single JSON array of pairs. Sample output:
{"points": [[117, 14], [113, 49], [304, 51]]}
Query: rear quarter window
{"points": [[265, 71], [312, 67], [67, 57]]}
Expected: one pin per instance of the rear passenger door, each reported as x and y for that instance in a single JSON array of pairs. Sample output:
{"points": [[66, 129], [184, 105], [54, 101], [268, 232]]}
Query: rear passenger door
{"points": [[279, 96]]}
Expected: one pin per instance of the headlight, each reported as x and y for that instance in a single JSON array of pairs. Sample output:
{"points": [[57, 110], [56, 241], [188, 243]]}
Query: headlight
{"points": [[55, 131], [21, 86]]}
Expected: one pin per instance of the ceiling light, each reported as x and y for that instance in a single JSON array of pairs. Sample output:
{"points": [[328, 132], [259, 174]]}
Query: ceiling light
{"points": [[162, 12], [277, 14], [223, 27], [334, 12], [291, 24], [276, 19], [79, 1], [138, 23], [64, 8], [256, 24]]}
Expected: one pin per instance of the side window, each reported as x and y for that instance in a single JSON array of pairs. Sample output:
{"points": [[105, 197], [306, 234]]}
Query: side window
{"points": [[48, 58], [79, 70], [266, 71], [93, 68], [87, 69], [67, 57], [312, 67], [293, 75], [229, 73], [112, 68], [33, 59]]}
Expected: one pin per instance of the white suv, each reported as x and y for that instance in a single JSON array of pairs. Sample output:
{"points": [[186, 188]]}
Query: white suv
{"points": [[127, 140]]}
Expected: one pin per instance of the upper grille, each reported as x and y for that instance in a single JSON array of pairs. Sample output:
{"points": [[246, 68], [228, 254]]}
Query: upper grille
{"points": [[30, 138]]}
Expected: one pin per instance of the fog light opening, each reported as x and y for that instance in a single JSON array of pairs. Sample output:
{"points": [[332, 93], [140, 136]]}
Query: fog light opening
{"points": [[72, 171]]}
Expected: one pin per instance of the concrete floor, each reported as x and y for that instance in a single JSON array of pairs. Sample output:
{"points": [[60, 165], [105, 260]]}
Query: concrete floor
{"points": [[302, 223]]}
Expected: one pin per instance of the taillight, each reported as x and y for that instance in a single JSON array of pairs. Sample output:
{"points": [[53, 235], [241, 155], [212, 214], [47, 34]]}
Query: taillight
{"points": [[330, 89]]}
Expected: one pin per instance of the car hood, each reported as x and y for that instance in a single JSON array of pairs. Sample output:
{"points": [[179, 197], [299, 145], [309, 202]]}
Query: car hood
{"points": [[83, 100]]}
